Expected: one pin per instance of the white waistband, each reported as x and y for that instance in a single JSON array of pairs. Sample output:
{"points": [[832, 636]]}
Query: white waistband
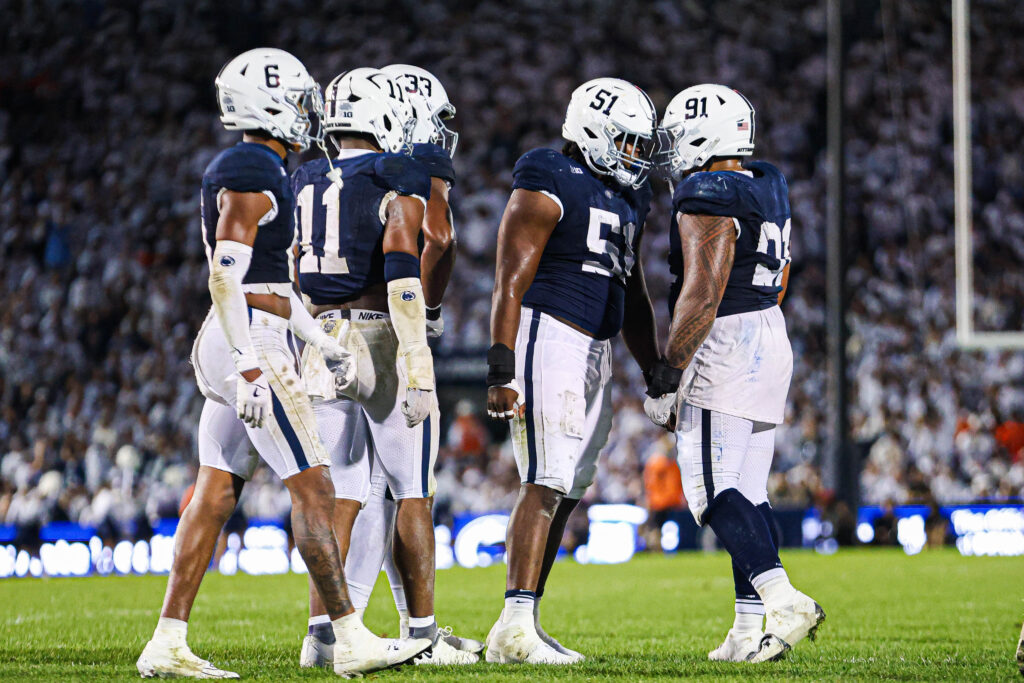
{"points": [[556, 326], [258, 317], [283, 289], [353, 314]]}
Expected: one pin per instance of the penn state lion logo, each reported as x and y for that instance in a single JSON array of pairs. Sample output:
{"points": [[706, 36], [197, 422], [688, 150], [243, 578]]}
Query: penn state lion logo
{"points": [[329, 326], [408, 296]]}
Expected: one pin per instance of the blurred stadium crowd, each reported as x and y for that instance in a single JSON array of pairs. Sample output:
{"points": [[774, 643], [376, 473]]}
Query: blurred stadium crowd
{"points": [[107, 119]]}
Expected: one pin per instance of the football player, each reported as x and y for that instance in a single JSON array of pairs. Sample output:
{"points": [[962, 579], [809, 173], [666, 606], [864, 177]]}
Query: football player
{"points": [[1020, 652], [730, 253], [433, 146], [360, 217], [568, 279], [245, 363]]}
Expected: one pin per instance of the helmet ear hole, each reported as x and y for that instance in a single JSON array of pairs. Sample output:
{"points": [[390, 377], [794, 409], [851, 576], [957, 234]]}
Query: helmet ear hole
{"points": [[272, 111], [698, 142]]}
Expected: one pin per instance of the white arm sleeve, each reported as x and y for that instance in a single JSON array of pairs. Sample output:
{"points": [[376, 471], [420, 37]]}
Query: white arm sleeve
{"points": [[303, 324], [409, 318], [228, 266]]}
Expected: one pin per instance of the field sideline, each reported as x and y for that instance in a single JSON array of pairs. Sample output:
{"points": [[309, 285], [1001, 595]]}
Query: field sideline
{"points": [[930, 617]]}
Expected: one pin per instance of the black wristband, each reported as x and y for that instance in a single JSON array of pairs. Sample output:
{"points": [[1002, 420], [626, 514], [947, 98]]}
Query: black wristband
{"points": [[434, 313], [501, 365], [662, 379]]}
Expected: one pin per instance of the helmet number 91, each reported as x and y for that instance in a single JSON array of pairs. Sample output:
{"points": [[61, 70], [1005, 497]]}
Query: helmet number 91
{"points": [[602, 98], [691, 108]]}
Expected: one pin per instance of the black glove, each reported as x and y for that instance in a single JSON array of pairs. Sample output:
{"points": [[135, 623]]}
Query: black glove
{"points": [[501, 365], [662, 379]]}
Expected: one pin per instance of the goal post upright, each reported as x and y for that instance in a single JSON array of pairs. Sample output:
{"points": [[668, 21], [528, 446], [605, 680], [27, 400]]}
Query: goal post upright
{"points": [[962, 172], [966, 335]]}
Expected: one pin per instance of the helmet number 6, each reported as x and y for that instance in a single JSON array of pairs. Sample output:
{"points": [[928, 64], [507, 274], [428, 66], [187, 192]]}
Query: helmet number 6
{"points": [[270, 71]]}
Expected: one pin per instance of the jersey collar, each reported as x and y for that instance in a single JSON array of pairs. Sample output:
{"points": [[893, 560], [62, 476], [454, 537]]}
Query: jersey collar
{"points": [[351, 153], [265, 150]]}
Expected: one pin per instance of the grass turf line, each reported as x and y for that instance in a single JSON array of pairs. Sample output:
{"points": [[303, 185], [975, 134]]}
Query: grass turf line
{"points": [[936, 616]]}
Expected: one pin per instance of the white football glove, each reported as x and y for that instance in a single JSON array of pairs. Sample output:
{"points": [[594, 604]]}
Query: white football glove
{"points": [[252, 400], [339, 361], [661, 410], [416, 406], [509, 414]]}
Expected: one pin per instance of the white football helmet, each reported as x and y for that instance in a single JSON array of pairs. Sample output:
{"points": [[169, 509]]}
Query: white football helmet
{"points": [[604, 117], [270, 90], [702, 122], [430, 104], [369, 101]]}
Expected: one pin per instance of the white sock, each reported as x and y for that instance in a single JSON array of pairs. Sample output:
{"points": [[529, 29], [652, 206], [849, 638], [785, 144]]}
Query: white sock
{"points": [[421, 622], [749, 617], [319, 619], [519, 608], [773, 586], [170, 629], [359, 594], [398, 592], [403, 623], [347, 626]]}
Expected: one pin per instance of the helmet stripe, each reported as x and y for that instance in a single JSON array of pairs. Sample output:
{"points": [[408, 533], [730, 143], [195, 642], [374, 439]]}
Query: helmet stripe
{"points": [[751, 114]]}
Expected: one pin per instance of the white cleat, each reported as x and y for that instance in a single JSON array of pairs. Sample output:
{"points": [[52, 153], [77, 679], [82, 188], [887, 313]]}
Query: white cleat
{"points": [[737, 647], [492, 651], [444, 654], [166, 660], [554, 644], [786, 625], [358, 651], [461, 643], [516, 642], [316, 654]]}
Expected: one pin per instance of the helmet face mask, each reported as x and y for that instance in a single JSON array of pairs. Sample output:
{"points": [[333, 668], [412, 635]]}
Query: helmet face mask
{"points": [[613, 123], [370, 102], [703, 122], [270, 90], [430, 105]]}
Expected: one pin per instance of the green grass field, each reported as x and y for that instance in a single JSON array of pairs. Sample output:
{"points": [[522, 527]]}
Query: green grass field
{"points": [[935, 616]]}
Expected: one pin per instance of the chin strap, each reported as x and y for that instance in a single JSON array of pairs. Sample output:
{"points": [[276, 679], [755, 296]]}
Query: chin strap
{"points": [[334, 174]]}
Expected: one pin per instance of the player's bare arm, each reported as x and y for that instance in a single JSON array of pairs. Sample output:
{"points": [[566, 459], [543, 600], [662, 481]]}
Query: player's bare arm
{"points": [[240, 213], [708, 244], [529, 219], [639, 327], [438, 257], [405, 216]]}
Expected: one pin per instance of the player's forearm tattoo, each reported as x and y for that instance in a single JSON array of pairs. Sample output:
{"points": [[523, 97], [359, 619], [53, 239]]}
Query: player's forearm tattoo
{"points": [[708, 249], [319, 550]]}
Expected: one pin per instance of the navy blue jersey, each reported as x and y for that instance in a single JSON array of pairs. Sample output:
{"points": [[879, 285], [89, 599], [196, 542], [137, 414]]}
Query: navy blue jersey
{"points": [[252, 167], [437, 161], [760, 204], [342, 228], [582, 273]]}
